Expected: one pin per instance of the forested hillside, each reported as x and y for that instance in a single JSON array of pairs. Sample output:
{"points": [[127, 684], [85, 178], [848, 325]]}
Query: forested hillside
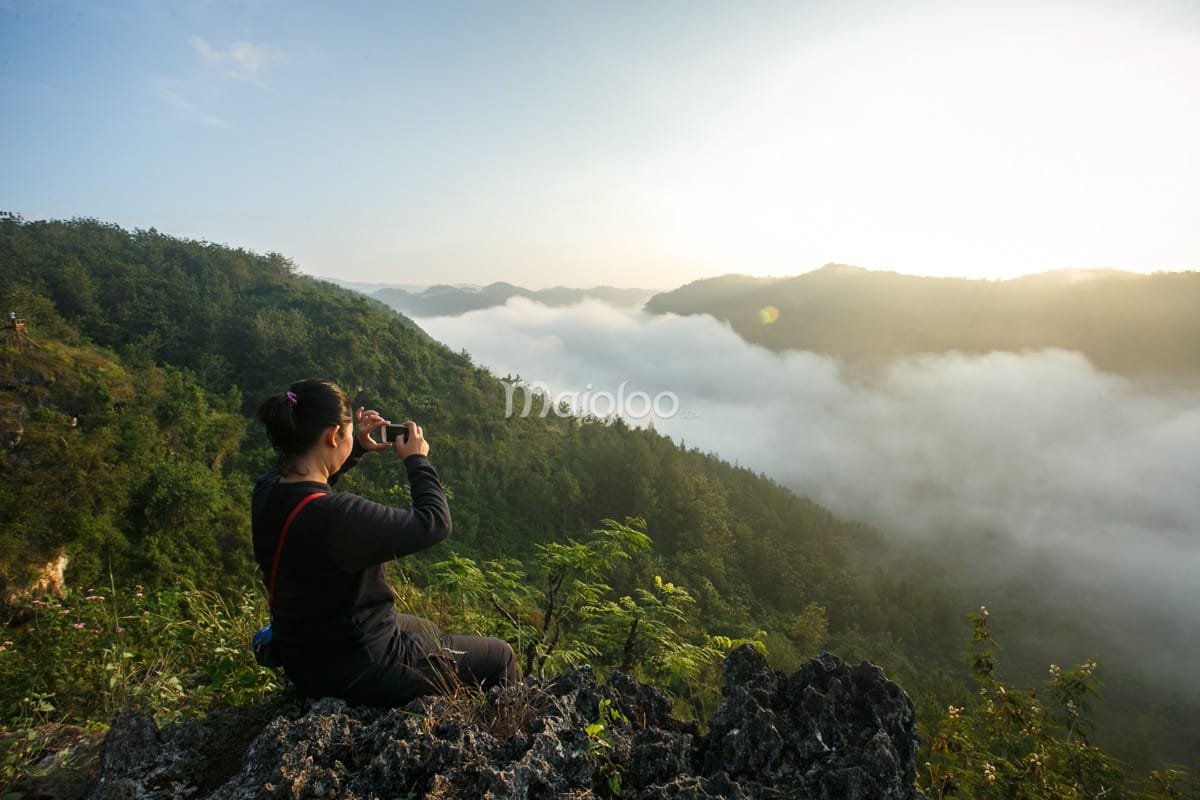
{"points": [[129, 448], [1123, 322], [162, 347]]}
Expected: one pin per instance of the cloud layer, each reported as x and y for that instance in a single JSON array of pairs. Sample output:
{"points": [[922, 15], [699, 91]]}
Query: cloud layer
{"points": [[1080, 482]]}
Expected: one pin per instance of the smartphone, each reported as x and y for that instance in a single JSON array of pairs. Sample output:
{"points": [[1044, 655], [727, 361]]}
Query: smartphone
{"points": [[392, 432]]}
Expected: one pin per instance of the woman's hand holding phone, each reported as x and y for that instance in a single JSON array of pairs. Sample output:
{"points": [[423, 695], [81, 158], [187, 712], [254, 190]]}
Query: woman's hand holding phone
{"points": [[408, 439]]}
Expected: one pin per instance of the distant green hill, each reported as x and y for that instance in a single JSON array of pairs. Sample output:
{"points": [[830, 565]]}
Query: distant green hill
{"points": [[1123, 322]]}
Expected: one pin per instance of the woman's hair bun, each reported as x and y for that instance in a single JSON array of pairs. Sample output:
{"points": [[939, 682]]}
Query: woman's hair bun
{"points": [[295, 418]]}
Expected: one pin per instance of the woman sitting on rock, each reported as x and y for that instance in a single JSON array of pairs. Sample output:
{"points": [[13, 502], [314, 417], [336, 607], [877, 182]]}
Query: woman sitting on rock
{"points": [[333, 613]]}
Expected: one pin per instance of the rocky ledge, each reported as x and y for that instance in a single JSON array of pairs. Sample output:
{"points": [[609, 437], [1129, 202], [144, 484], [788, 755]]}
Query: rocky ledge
{"points": [[830, 731]]}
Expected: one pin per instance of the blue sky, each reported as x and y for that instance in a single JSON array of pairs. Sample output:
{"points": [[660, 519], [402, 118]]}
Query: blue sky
{"points": [[636, 144]]}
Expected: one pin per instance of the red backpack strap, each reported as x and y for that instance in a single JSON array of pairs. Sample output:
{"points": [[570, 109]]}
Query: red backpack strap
{"points": [[287, 523]]}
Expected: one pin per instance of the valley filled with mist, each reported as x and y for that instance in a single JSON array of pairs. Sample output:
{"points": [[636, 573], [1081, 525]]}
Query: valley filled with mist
{"points": [[1058, 494]]}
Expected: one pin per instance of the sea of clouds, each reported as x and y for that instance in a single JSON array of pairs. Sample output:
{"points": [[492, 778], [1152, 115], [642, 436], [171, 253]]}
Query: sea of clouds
{"points": [[1084, 482]]}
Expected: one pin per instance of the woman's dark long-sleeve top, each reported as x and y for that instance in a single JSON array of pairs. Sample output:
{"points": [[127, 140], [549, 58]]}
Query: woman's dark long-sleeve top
{"points": [[334, 613]]}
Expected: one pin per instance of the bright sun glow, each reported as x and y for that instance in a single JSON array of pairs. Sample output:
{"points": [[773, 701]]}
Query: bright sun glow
{"points": [[969, 146]]}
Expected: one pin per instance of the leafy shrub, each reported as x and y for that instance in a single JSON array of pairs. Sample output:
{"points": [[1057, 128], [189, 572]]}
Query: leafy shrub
{"points": [[174, 652], [1017, 744]]}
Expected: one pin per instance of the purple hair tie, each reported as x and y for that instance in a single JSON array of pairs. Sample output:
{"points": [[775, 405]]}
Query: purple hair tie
{"points": [[291, 396]]}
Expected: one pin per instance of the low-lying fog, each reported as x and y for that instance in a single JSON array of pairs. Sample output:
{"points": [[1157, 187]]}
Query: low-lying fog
{"points": [[1040, 470]]}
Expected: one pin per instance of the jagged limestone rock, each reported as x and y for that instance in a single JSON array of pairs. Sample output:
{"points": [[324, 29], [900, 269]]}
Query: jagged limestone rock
{"points": [[830, 731]]}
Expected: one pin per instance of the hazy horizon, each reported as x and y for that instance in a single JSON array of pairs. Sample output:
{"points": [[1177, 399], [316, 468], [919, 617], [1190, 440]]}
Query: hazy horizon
{"points": [[584, 285]]}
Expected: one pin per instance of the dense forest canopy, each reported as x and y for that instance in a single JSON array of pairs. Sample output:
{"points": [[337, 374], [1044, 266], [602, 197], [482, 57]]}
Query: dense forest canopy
{"points": [[129, 448]]}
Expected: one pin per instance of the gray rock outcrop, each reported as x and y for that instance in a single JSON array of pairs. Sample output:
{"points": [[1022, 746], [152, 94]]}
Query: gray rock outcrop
{"points": [[828, 732]]}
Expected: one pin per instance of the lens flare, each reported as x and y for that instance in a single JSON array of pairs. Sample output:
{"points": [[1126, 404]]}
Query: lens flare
{"points": [[768, 315]]}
